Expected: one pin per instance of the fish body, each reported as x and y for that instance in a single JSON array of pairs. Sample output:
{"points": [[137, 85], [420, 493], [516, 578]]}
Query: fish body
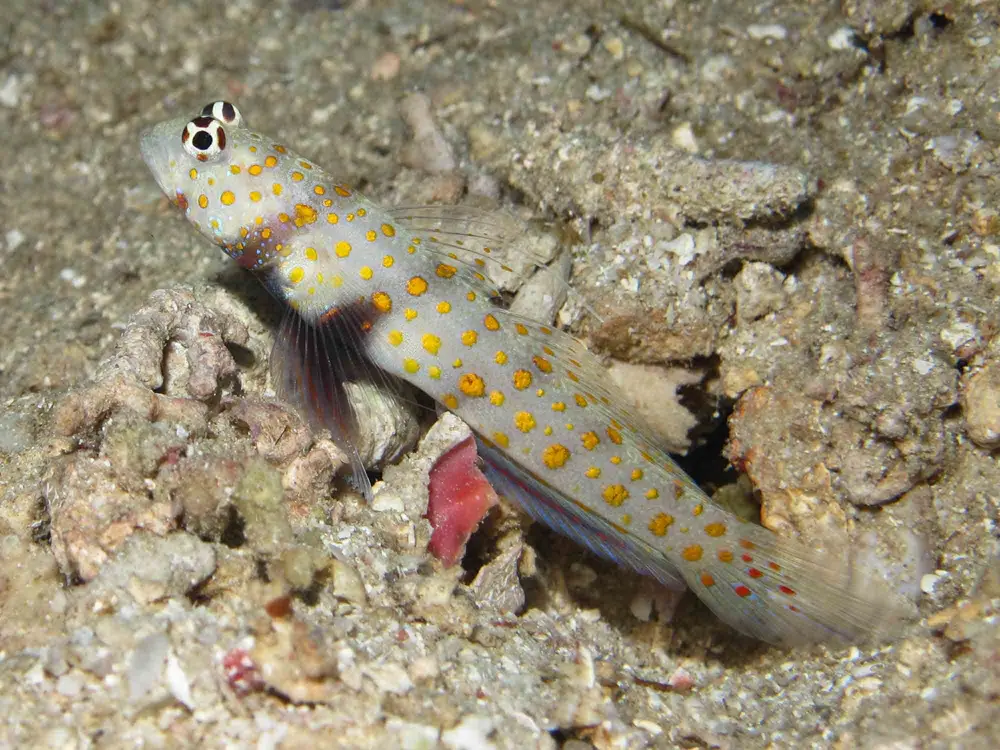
{"points": [[558, 438]]}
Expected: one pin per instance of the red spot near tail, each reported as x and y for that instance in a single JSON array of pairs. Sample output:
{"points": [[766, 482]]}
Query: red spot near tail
{"points": [[746, 558], [460, 497], [746, 544], [786, 590], [754, 573], [774, 566], [741, 590]]}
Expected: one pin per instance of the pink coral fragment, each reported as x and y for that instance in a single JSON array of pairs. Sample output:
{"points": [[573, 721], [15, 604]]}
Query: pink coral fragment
{"points": [[460, 497]]}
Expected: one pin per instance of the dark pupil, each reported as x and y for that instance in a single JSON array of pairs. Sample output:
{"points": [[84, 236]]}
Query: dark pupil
{"points": [[202, 140], [228, 112]]}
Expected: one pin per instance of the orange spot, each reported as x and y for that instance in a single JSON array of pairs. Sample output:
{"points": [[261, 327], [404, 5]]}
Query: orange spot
{"points": [[444, 307], [746, 544], [590, 440], [416, 286], [698, 509], [319, 190], [471, 385], [580, 401], [491, 323], [254, 169], [522, 379], [659, 524], [652, 494], [445, 271], [520, 329], [497, 398], [500, 358], [593, 472], [692, 553], [555, 456], [725, 556], [715, 529], [558, 406], [542, 364], [614, 495], [431, 343], [501, 439], [470, 337], [270, 161], [304, 214], [203, 201], [636, 475], [614, 436], [524, 421], [450, 401], [227, 198], [707, 580], [774, 566]]}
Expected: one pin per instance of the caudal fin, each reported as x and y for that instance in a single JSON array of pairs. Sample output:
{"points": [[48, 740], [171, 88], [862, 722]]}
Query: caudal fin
{"points": [[780, 591]]}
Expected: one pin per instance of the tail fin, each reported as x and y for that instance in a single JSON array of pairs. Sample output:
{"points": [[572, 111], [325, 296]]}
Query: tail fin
{"points": [[780, 591]]}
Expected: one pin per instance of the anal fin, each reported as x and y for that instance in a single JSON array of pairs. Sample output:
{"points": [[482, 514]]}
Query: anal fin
{"points": [[552, 508]]}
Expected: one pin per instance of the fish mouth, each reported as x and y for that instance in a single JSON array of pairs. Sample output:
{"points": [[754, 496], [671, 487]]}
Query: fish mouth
{"points": [[153, 149]]}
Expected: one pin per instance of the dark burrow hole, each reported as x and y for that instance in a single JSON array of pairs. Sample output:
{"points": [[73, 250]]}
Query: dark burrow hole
{"points": [[243, 356], [233, 534]]}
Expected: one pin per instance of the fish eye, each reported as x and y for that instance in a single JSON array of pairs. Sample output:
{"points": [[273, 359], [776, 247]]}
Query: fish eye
{"points": [[223, 112], [204, 138]]}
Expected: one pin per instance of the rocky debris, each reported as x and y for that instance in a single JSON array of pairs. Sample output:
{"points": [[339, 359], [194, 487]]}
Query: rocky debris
{"points": [[980, 391], [608, 178], [653, 392], [91, 515]]}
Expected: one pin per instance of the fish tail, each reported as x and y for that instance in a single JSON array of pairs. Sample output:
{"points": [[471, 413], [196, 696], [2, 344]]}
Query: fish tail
{"points": [[778, 590]]}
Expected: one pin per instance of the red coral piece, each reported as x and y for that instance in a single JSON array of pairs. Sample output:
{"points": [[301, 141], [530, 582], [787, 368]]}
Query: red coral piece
{"points": [[241, 672], [460, 498]]}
